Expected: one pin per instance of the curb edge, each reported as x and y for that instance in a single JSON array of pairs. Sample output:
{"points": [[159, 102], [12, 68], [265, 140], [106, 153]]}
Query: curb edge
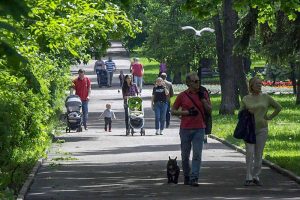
{"points": [[268, 163], [30, 179]]}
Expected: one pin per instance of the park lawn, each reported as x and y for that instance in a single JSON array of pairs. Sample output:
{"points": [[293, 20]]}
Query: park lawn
{"points": [[283, 144]]}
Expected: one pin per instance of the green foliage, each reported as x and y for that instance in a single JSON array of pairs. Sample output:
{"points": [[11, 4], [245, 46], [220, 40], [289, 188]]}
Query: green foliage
{"points": [[277, 73], [162, 21], [39, 40]]}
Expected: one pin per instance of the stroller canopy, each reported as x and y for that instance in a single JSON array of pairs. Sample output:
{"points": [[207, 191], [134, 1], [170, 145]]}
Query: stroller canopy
{"points": [[73, 103]]}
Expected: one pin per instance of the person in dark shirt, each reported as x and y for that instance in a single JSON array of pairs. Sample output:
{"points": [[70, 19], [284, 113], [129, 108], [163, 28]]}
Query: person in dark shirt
{"points": [[159, 104]]}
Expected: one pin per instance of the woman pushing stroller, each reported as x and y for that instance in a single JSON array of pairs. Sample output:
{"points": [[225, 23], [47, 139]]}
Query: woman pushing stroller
{"points": [[128, 89]]}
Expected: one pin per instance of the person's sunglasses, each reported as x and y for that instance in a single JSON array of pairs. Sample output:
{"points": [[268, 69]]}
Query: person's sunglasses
{"points": [[195, 81]]}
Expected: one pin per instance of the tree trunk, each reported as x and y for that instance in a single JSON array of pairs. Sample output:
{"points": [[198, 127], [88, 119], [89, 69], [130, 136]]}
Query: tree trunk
{"points": [[241, 79], [227, 82], [298, 90], [177, 78], [293, 77], [241, 88]]}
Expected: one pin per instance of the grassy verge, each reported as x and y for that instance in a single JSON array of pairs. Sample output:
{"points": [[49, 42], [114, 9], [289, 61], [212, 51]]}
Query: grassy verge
{"points": [[283, 145]]}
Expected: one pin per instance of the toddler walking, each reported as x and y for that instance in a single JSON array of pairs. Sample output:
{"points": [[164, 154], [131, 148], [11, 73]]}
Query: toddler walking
{"points": [[121, 77], [108, 114]]}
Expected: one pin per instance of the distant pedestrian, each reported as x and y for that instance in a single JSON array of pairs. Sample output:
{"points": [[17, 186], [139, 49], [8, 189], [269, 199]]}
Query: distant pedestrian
{"points": [[108, 115], [189, 106], [169, 86], [121, 77], [82, 87], [163, 67], [159, 104], [138, 73], [128, 89], [99, 65], [258, 104], [110, 67]]}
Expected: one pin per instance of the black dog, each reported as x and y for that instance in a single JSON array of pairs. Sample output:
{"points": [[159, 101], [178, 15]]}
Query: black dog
{"points": [[172, 171]]}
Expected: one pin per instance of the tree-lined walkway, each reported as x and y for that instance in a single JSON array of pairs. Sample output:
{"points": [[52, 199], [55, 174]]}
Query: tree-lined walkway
{"points": [[96, 164]]}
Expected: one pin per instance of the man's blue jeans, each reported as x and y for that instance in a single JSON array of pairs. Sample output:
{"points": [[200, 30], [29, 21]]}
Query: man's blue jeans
{"points": [[85, 111], [138, 80], [160, 109], [191, 138]]}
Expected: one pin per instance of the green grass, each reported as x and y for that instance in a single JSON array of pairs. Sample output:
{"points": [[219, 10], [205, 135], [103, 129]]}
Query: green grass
{"points": [[283, 144]]}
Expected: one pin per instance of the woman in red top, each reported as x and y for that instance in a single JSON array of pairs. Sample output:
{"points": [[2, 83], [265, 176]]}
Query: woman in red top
{"points": [[138, 72], [190, 105]]}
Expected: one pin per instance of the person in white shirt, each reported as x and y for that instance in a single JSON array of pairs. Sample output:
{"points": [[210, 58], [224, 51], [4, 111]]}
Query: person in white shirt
{"points": [[108, 114]]}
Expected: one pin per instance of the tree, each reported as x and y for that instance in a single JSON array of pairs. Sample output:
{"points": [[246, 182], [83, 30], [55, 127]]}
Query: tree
{"points": [[278, 31], [37, 48]]}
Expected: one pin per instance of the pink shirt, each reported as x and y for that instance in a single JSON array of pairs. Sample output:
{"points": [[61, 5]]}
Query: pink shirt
{"points": [[137, 69]]}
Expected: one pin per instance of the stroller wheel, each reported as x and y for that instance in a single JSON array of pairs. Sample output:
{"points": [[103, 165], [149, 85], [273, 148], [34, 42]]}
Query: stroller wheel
{"points": [[142, 131], [132, 132]]}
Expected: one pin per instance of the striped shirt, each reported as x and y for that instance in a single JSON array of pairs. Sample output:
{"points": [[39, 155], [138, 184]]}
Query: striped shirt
{"points": [[110, 66]]}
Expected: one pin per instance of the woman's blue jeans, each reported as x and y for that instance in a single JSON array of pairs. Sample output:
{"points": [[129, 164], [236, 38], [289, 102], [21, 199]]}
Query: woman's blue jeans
{"points": [[160, 109], [191, 138]]}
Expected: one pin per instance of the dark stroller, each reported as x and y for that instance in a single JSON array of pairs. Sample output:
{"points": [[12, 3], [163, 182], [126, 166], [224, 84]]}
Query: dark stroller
{"points": [[102, 77], [74, 117]]}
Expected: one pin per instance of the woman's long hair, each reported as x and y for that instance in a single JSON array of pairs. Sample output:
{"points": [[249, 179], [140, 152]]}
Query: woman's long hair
{"points": [[125, 86]]}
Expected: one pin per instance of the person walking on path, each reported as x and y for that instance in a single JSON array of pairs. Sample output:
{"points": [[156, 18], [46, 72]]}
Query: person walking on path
{"points": [[108, 115], [82, 87], [258, 104], [163, 67], [159, 104], [121, 77], [110, 68], [188, 105], [138, 72], [128, 89], [99, 65], [169, 86]]}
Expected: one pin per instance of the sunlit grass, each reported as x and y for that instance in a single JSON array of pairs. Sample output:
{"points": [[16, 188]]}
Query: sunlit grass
{"points": [[283, 145]]}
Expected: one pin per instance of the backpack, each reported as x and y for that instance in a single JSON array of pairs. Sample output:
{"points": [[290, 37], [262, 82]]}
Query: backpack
{"points": [[207, 116]]}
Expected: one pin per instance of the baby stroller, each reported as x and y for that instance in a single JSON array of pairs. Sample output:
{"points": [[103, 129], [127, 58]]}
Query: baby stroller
{"points": [[136, 114], [74, 117], [102, 78]]}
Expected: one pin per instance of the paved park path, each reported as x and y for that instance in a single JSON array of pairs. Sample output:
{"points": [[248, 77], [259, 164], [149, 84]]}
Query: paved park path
{"points": [[95, 164]]}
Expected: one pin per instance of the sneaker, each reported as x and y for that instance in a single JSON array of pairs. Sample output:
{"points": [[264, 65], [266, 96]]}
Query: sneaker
{"points": [[127, 131], [86, 128], [156, 132], [256, 182], [194, 183], [161, 133], [248, 183], [186, 180], [109, 130]]}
